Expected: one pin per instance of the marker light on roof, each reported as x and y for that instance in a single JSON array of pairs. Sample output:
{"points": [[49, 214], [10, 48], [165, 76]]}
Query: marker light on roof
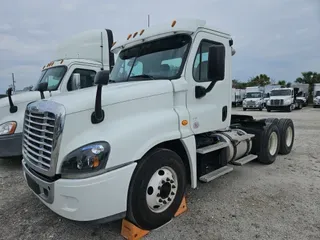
{"points": [[129, 36], [141, 32], [61, 61], [43, 67], [114, 43], [135, 34], [173, 23]]}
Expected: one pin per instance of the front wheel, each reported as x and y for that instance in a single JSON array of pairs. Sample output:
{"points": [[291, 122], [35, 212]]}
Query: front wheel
{"points": [[157, 188], [268, 109]]}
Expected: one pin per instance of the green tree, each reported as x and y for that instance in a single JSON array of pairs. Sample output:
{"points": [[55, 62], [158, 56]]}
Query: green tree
{"points": [[260, 80], [310, 78], [282, 83], [238, 84]]}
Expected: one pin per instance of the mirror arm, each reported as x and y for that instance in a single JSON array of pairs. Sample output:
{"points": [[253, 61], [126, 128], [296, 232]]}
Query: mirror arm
{"points": [[98, 115], [13, 108], [41, 94], [201, 91]]}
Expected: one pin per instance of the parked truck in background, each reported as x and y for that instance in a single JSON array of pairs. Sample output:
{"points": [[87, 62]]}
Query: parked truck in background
{"points": [[303, 92], [316, 95], [75, 64], [237, 96], [161, 120], [267, 91], [253, 98], [284, 99]]}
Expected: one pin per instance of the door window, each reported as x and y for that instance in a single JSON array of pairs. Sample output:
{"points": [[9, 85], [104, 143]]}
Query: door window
{"points": [[200, 65], [86, 78]]}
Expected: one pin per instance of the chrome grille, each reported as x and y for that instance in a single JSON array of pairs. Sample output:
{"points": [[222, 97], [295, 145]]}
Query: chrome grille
{"points": [[276, 102], [38, 137], [251, 102], [42, 133]]}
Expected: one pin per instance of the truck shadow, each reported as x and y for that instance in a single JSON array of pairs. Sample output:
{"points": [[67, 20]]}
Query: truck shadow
{"points": [[11, 163]]}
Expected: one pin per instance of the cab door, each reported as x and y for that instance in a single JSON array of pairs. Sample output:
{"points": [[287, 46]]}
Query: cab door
{"points": [[212, 111]]}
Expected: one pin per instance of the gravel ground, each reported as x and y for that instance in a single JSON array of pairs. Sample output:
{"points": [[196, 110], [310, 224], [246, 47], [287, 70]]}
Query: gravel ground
{"points": [[278, 201]]}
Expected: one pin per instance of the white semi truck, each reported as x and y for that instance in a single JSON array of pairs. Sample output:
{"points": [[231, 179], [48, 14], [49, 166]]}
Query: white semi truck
{"points": [[75, 64], [254, 98], [267, 91], [161, 120], [316, 95], [303, 92], [284, 99]]}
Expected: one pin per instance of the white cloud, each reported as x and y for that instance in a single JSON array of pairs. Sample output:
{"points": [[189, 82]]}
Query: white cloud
{"points": [[279, 38], [5, 27]]}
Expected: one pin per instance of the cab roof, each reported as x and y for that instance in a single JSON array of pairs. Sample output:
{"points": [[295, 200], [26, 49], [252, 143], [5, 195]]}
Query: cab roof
{"points": [[187, 26]]}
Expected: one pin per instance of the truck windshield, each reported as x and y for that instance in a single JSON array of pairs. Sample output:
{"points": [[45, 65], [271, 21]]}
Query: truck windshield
{"points": [[282, 92], [159, 59], [253, 95], [317, 94], [53, 76]]}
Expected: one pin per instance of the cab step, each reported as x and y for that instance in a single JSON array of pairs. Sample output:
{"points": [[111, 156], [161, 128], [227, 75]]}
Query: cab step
{"points": [[245, 159], [212, 148], [243, 137], [215, 174]]}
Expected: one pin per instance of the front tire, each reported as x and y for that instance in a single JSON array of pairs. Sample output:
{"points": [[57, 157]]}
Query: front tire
{"points": [[268, 109], [157, 188]]}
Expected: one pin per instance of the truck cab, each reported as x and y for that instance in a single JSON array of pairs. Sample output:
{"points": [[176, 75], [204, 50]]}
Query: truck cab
{"points": [[316, 95], [159, 121], [253, 99], [283, 99], [77, 60]]}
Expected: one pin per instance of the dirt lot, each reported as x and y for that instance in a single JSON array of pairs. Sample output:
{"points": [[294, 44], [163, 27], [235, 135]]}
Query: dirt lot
{"points": [[279, 201]]}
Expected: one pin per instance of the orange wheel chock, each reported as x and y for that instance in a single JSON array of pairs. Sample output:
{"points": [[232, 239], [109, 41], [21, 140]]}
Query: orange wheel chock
{"points": [[131, 232]]}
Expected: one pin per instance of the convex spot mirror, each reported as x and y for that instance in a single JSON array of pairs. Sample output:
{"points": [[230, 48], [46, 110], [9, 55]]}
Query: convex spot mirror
{"points": [[76, 83], [102, 77]]}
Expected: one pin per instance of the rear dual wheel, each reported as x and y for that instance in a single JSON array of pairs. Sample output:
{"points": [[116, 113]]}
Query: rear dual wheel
{"points": [[156, 190], [286, 129]]}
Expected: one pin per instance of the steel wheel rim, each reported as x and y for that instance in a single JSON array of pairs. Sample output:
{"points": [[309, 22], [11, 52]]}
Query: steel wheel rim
{"points": [[273, 143], [289, 136], [162, 189]]}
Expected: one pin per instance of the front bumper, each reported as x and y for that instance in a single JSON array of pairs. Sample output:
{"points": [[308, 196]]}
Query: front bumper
{"points": [[89, 199], [256, 106], [278, 107], [11, 145]]}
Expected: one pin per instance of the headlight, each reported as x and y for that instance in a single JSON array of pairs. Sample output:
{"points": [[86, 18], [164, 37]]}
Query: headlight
{"points": [[91, 158], [269, 102], [8, 128]]}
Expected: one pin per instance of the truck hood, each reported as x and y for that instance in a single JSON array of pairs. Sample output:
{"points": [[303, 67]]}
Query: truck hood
{"points": [[21, 98], [84, 99]]}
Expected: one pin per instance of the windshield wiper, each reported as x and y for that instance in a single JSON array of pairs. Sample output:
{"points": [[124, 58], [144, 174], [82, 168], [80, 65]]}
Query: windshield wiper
{"points": [[143, 76]]}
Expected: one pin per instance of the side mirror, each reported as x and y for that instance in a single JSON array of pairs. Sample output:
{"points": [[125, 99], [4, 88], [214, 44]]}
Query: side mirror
{"points": [[216, 62], [215, 72], [76, 83], [102, 77], [13, 108], [42, 87]]}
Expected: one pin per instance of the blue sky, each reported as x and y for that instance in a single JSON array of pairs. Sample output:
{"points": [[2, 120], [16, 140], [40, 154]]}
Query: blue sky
{"points": [[276, 37]]}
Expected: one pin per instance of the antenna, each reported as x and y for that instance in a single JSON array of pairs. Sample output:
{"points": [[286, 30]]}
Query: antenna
{"points": [[101, 46], [148, 20]]}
